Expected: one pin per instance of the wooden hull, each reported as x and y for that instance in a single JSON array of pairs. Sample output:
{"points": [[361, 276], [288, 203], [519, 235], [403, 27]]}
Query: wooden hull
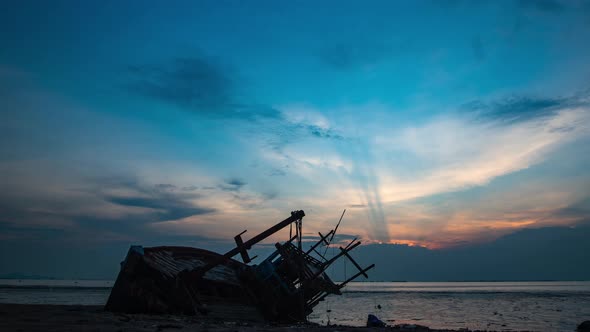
{"points": [[148, 283]]}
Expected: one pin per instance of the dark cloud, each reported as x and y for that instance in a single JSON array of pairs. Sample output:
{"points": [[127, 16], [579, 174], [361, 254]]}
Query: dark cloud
{"points": [[233, 184], [168, 207], [39, 213], [236, 182], [37, 216], [66, 236], [203, 86], [165, 200], [516, 109], [199, 84]]}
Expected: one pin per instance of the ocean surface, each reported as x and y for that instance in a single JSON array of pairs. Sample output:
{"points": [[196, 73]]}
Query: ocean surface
{"points": [[535, 306]]}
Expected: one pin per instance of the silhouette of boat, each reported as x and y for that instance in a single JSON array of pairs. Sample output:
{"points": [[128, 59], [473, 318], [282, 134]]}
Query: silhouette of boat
{"points": [[284, 287]]}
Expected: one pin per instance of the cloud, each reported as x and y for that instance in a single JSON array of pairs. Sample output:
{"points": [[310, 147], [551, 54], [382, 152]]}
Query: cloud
{"points": [[466, 153], [459, 219], [167, 207], [446, 154], [320, 132], [519, 108], [233, 184], [159, 202], [379, 163], [298, 123], [199, 84], [114, 207]]}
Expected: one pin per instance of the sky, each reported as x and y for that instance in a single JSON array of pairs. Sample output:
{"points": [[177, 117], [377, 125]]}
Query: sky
{"points": [[436, 124]]}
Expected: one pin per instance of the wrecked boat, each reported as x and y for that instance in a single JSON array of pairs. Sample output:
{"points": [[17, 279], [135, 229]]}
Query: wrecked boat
{"points": [[284, 287]]}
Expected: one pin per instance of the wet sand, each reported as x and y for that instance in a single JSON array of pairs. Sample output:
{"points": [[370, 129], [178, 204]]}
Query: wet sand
{"points": [[49, 318]]}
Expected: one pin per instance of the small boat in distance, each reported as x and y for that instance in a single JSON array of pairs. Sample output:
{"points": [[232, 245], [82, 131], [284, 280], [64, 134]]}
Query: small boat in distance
{"points": [[284, 287]]}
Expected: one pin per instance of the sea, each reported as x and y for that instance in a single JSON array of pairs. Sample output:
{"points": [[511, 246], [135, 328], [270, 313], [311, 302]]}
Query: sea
{"points": [[501, 306]]}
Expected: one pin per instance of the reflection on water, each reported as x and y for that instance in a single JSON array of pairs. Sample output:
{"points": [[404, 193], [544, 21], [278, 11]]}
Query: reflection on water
{"points": [[537, 306], [500, 286]]}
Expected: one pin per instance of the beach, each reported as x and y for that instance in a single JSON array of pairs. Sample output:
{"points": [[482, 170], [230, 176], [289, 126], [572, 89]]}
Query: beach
{"points": [[57, 305], [50, 318]]}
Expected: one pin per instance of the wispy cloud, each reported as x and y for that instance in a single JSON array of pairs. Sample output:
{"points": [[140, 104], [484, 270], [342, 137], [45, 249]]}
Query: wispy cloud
{"points": [[465, 153], [520, 108], [445, 154]]}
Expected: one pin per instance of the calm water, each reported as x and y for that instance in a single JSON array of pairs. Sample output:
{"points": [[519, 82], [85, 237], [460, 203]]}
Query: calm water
{"points": [[537, 306]]}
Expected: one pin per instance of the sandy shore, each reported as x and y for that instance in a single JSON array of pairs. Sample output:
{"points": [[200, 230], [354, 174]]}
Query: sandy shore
{"points": [[48, 318]]}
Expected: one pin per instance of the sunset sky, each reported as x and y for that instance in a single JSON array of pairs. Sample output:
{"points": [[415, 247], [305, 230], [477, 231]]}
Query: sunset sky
{"points": [[434, 123]]}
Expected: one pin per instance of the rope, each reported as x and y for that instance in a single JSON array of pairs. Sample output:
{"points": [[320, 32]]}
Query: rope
{"points": [[345, 277], [328, 306]]}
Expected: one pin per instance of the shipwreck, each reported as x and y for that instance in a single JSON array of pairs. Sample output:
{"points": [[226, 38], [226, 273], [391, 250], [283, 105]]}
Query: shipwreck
{"points": [[284, 287]]}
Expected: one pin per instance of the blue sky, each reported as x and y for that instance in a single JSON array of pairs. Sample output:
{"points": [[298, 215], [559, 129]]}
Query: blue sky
{"points": [[434, 123]]}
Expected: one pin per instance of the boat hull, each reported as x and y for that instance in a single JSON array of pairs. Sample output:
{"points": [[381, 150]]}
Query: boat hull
{"points": [[149, 283]]}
